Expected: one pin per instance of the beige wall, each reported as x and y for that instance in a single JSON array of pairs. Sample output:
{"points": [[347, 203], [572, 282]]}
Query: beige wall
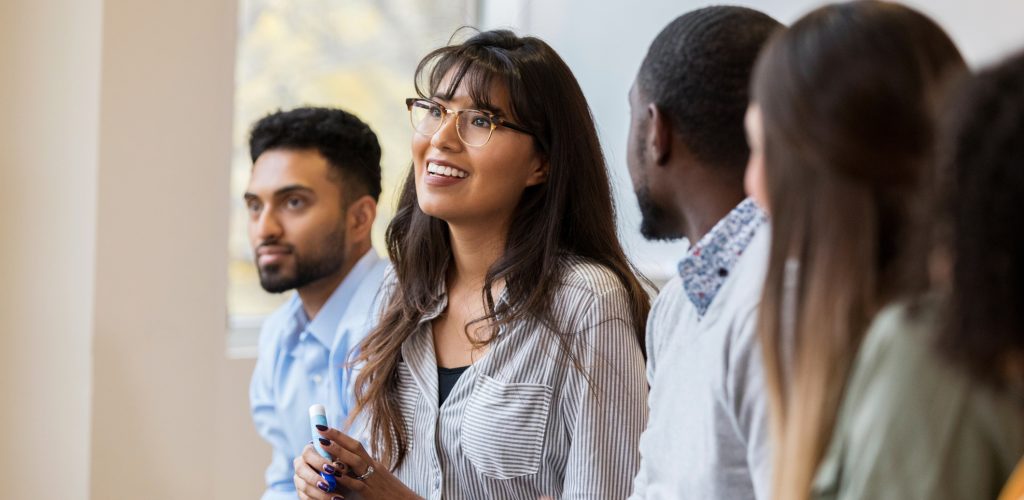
{"points": [[115, 136], [49, 58]]}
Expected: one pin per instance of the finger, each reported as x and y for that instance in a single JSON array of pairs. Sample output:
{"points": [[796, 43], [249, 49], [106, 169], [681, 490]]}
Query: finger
{"points": [[354, 462], [346, 441], [317, 490], [305, 477], [301, 487], [313, 459]]}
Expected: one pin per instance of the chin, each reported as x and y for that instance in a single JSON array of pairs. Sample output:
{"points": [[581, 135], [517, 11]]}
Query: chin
{"points": [[435, 211]]}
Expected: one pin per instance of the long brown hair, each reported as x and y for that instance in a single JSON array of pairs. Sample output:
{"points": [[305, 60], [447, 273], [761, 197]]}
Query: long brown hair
{"points": [[571, 214], [847, 99]]}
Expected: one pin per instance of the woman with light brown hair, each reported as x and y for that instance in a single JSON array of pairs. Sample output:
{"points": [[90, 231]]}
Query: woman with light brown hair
{"points": [[841, 132]]}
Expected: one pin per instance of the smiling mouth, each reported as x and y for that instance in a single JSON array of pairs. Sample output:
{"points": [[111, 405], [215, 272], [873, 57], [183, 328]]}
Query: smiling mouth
{"points": [[446, 171]]}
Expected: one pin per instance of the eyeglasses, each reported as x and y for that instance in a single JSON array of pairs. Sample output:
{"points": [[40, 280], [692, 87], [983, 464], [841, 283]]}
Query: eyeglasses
{"points": [[474, 126]]}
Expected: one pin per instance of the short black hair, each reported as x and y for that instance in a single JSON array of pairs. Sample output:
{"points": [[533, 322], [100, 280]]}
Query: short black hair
{"points": [[348, 144], [697, 72]]}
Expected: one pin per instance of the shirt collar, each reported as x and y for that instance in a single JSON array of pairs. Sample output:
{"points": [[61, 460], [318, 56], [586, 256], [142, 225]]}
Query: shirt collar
{"points": [[442, 303], [708, 263], [324, 326]]}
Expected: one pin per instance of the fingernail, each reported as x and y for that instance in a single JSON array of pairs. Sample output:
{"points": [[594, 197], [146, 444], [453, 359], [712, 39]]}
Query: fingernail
{"points": [[337, 498], [321, 428], [328, 469], [324, 442], [341, 469], [323, 486]]}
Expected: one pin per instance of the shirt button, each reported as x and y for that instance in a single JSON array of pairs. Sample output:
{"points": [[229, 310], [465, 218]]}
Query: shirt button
{"points": [[318, 379]]}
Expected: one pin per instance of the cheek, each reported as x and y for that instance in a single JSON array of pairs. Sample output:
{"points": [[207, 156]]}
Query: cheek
{"points": [[754, 181]]}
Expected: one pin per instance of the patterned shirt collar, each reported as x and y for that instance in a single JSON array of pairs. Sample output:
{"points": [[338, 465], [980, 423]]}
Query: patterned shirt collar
{"points": [[708, 263]]}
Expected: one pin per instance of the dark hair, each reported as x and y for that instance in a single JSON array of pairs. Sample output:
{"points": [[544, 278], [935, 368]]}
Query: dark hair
{"points": [[985, 329], [570, 214], [697, 72], [348, 144], [847, 97]]}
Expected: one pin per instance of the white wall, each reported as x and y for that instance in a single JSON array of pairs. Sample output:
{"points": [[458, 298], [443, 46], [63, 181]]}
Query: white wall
{"points": [[605, 41]]}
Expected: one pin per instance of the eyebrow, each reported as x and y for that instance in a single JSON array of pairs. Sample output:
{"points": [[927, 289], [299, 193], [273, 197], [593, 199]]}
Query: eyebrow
{"points": [[291, 188], [492, 110]]}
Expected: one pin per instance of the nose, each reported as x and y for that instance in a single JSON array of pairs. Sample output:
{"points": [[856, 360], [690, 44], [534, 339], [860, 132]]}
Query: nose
{"points": [[266, 227], [446, 137]]}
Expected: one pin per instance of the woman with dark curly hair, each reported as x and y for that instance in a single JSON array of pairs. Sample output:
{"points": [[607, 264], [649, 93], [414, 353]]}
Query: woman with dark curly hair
{"points": [[984, 331]]}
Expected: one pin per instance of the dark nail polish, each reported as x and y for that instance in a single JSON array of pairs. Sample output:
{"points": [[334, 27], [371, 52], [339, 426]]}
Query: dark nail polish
{"points": [[328, 469], [323, 486], [321, 428], [324, 442], [340, 470]]}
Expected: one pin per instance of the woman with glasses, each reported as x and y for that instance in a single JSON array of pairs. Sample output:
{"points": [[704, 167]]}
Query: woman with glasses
{"points": [[508, 360]]}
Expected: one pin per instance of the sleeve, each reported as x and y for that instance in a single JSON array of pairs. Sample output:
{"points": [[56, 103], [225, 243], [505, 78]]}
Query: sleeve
{"points": [[262, 405], [748, 401], [606, 403]]}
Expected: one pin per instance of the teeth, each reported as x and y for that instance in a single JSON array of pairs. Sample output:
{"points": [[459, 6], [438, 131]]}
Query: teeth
{"points": [[446, 171]]}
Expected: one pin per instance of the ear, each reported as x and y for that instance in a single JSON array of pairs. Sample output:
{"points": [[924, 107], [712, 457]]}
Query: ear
{"points": [[359, 218], [660, 138], [539, 175]]}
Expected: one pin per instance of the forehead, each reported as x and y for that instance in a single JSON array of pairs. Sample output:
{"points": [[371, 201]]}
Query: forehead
{"points": [[276, 168], [473, 91]]}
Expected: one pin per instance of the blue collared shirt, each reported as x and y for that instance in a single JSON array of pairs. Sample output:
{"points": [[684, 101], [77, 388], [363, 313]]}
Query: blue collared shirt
{"points": [[303, 362]]}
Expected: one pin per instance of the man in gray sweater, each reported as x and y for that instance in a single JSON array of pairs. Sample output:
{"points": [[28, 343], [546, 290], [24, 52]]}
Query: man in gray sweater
{"points": [[707, 437]]}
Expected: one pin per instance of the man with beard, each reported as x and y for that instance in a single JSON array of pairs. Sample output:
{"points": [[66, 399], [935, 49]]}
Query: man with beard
{"points": [[707, 432], [312, 199]]}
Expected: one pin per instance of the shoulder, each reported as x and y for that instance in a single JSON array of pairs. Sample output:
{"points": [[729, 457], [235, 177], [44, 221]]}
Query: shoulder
{"points": [[588, 293], [902, 332], [586, 277]]}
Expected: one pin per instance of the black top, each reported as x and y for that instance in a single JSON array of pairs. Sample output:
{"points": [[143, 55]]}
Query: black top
{"points": [[446, 379]]}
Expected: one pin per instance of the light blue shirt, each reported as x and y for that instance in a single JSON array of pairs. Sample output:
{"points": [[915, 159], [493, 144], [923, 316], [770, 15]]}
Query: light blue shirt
{"points": [[303, 362]]}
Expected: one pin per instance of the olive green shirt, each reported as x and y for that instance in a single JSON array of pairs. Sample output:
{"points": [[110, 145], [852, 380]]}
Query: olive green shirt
{"points": [[913, 426]]}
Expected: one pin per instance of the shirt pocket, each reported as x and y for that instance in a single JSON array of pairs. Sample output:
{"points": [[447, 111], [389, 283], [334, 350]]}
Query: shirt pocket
{"points": [[504, 426]]}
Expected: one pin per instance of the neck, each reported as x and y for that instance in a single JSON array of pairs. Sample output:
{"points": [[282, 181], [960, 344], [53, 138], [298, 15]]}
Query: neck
{"points": [[315, 294], [702, 208], [475, 249]]}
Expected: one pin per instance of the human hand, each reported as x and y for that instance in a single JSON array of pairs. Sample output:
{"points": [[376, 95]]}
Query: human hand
{"points": [[353, 467]]}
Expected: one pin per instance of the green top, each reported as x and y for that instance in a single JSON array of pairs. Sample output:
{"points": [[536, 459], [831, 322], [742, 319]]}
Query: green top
{"points": [[912, 426]]}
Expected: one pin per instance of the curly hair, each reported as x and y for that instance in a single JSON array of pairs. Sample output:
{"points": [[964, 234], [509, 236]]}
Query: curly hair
{"points": [[985, 328], [697, 71], [348, 144]]}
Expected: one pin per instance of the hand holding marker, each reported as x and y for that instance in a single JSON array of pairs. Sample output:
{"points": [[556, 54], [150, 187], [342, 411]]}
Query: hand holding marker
{"points": [[318, 416]]}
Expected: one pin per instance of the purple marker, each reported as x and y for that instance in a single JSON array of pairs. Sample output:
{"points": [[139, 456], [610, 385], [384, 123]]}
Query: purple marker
{"points": [[318, 416]]}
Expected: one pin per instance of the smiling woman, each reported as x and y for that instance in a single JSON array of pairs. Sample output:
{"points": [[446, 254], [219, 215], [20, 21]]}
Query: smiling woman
{"points": [[512, 332]]}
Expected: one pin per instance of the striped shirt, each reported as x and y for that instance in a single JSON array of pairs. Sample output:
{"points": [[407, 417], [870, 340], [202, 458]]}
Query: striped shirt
{"points": [[523, 421]]}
